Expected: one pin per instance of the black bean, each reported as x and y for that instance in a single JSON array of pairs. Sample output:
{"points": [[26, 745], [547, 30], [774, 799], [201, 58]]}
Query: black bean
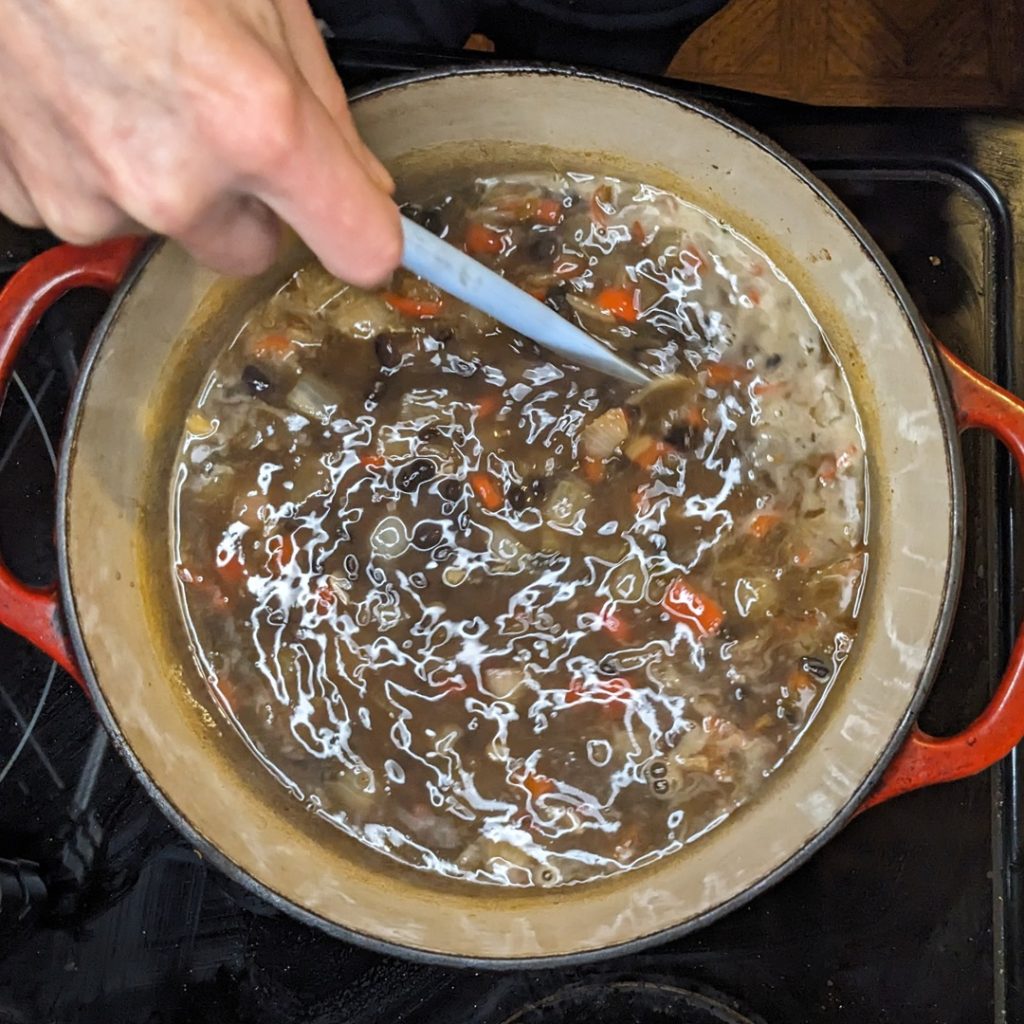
{"points": [[426, 536], [680, 436], [387, 351], [257, 382], [430, 433], [792, 714], [376, 392], [609, 665], [559, 303], [544, 246], [816, 667], [537, 488], [443, 553], [657, 770], [660, 786], [433, 220], [429, 217], [444, 335], [418, 580], [450, 489], [419, 471], [773, 360], [519, 498]]}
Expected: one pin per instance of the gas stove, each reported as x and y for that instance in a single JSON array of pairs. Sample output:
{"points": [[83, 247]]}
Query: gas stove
{"points": [[913, 914]]}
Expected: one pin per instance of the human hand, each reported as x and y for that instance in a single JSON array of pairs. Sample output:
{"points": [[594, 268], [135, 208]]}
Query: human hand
{"points": [[202, 121]]}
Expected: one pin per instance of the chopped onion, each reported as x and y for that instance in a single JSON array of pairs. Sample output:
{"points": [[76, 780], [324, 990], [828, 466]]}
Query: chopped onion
{"points": [[590, 310], [603, 436], [390, 538], [565, 504], [314, 397], [503, 682]]}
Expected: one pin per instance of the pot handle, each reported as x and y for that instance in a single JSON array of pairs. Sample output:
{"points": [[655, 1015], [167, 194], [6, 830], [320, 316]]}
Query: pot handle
{"points": [[924, 760], [34, 612]]}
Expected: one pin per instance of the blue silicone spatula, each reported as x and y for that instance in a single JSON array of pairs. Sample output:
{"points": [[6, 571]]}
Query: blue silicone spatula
{"points": [[460, 275]]}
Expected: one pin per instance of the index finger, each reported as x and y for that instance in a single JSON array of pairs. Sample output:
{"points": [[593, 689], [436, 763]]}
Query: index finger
{"points": [[322, 189]]}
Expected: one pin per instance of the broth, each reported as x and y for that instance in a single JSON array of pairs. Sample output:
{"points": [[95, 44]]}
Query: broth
{"points": [[494, 615]]}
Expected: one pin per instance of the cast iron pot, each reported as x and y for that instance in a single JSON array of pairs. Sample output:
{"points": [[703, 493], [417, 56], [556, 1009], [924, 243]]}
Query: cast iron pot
{"points": [[109, 624]]}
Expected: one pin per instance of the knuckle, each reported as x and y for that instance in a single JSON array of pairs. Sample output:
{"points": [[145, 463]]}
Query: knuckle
{"points": [[266, 130], [76, 219]]}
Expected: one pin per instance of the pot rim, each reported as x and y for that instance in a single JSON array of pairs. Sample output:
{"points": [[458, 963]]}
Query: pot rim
{"points": [[932, 660]]}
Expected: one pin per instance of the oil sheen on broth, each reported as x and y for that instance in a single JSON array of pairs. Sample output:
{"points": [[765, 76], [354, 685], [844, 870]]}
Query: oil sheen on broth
{"points": [[494, 615]]}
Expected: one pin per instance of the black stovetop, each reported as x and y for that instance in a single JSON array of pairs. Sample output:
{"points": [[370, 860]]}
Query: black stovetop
{"points": [[913, 914]]}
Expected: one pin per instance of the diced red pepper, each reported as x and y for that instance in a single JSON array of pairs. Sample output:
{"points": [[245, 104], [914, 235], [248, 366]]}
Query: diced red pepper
{"points": [[600, 204], [763, 524], [645, 458], [481, 240], [723, 374], [420, 309], [326, 598], [616, 626], [620, 302], [272, 348], [538, 785], [592, 469], [372, 460], [284, 551], [701, 612], [231, 570], [488, 405], [487, 491]]}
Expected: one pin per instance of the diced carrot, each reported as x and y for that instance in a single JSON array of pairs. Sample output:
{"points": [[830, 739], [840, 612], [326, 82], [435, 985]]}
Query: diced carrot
{"points": [[799, 680], [753, 295], [283, 552], [692, 256], [422, 309], [488, 405], [765, 387], [600, 205], [540, 209], [695, 416], [372, 460], [228, 692], [701, 612], [232, 570], [646, 457], [326, 598], [488, 493], [828, 469], [272, 348], [802, 556], [637, 232], [593, 469], [620, 302], [724, 374], [538, 785], [481, 240], [545, 210], [616, 626], [453, 686], [538, 293], [617, 693], [763, 524]]}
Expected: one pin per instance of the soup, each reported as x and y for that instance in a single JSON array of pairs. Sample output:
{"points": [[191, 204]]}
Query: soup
{"points": [[500, 617]]}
